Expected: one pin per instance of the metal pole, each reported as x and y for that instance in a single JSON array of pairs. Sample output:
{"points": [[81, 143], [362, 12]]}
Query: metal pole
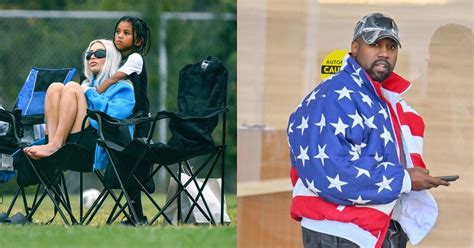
{"points": [[163, 69]]}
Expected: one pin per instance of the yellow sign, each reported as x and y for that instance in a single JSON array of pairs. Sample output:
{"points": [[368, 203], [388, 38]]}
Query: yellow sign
{"points": [[332, 63]]}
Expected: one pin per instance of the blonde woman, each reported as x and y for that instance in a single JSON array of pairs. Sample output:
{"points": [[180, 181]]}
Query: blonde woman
{"points": [[66, 105]]}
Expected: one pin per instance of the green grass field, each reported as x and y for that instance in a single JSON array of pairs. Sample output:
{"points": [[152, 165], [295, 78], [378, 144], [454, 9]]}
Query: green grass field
{"points": [[98, 234]]}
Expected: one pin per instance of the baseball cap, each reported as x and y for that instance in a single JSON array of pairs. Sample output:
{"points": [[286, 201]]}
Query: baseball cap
{"points": [[376, 26]]}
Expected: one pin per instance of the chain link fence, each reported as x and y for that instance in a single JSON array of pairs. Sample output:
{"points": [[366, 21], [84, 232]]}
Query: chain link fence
{"points": [[44, 41]]}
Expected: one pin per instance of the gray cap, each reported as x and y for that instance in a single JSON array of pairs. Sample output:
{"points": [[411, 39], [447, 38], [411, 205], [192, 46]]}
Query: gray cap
{"points": [[376, 26]]}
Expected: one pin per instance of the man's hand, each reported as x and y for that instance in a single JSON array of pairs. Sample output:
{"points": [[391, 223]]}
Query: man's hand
{"points": [[421, 179]]}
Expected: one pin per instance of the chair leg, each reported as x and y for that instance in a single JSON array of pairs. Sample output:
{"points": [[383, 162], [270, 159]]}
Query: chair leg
{"points": [[63, 198], [56, 205], [99, 202], [61, 194], [51, 193], [213, 156], [128, 181], [222, 148], [56, 202], [143, 189], [112, 216], [222, 176], [200, 189], [127, 197], [64, 195], [35, 206], [178, 193], [180, 189], [170, 201], [35, 199], [10, 208], [81, 205], [95, 207], [162, 211]]}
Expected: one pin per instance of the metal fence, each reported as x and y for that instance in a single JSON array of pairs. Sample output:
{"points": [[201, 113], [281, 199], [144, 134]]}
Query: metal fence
{"points": [[46, 39]]}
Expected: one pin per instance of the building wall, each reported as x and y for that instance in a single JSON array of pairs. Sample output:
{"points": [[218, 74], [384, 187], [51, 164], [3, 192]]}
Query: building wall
{"points": [[281, 44]]}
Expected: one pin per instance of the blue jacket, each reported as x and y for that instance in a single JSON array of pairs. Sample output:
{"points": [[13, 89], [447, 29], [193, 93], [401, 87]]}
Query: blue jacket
{"points": [[118, 102]]}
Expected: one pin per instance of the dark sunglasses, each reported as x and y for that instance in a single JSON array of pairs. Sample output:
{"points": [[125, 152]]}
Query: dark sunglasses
{"points": [[100, 53]]}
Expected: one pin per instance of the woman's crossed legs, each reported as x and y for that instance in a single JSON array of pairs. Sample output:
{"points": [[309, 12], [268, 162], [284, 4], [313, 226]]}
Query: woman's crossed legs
{"points": [[65, 109]]}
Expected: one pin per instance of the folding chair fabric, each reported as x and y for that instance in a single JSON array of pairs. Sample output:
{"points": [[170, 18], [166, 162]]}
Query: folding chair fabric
{"points": [[201, 99], [28, 112], [30, 104], [32, 94]]}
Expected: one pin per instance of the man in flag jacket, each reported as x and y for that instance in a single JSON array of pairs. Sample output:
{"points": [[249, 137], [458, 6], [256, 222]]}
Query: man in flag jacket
{"points": [[356, 151]]}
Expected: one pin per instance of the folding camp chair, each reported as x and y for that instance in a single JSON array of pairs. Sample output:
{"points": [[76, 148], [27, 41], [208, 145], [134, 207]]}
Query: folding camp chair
{"points": [[201, 99], [26, 127], [118, 133], [50, 173], [71, 156]]}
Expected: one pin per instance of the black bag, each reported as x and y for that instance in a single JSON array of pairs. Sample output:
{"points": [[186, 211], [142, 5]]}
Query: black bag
{"points": [[202, 88]]}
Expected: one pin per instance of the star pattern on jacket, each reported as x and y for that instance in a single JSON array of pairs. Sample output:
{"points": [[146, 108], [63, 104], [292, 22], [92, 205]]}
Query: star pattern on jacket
{"points": [[303, 125], [341, 136]]}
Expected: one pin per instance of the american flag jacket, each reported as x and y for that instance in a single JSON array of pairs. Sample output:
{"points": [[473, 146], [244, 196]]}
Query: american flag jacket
{"points": [[347, 139]]}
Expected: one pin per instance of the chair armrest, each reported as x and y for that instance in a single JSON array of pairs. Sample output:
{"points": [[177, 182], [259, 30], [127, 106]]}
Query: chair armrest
{"points": [[9, 117], [32, 119], [203, 115], [110, 129], [134, 119]]}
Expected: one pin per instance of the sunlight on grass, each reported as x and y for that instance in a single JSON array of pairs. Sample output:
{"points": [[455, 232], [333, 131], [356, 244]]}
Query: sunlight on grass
{"points": [[98, 234]]}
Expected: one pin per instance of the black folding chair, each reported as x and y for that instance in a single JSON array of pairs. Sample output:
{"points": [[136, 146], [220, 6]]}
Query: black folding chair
{"points": [[48, 173], [201, 100], [72, 157], [26, 127], [118, 135]]}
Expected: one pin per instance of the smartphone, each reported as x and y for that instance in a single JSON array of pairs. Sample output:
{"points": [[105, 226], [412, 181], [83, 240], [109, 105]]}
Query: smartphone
{"points": [[449, 178]]}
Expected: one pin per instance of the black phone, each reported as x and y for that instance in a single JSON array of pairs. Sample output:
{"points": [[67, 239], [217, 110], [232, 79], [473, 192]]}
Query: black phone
{"points": [[449, 178]]}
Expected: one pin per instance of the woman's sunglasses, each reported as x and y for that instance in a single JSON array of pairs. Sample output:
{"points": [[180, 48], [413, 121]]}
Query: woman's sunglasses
{"points": [[100, 53]]}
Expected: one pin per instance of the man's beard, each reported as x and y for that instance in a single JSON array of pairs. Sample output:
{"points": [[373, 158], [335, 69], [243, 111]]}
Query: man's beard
{"points": [[380, 76]]}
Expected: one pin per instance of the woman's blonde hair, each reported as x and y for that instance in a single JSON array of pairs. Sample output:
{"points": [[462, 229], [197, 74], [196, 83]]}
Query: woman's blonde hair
{"points": [[111, 65]]}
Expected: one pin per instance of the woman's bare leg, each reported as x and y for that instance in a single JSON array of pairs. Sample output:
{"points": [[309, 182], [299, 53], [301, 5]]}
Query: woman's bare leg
{"points": [[51, 108], [72, 110]]}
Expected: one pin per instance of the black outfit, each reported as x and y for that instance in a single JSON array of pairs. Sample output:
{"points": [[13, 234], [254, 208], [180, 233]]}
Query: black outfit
{"points": [[395, 238], [312, 239], [88, 140], [142, 105]]}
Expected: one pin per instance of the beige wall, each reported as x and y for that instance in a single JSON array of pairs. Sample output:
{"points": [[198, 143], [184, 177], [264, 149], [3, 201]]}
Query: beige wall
{"points": [[280, 46]]}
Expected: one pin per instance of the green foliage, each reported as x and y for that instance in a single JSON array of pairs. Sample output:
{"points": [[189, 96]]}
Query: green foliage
{"points": [[43, 43]]}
